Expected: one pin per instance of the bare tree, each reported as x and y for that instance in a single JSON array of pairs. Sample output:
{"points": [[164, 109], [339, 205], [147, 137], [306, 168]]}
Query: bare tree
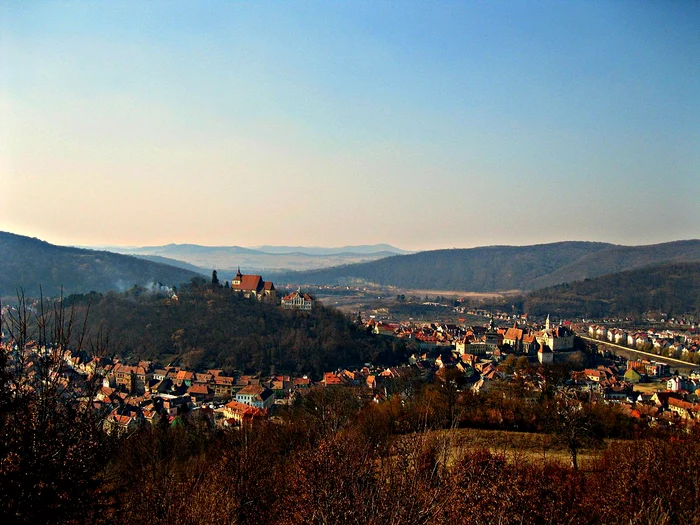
{"points": [[571, 423], [51, 443]]}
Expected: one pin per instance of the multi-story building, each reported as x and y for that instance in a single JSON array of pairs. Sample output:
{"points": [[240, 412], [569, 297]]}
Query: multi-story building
{"points": [[298, 301], [257, 396], [556, 338], [132, 379]]}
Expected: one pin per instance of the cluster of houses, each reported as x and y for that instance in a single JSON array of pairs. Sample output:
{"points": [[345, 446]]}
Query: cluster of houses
{"points": [[677, 344], [544, 342], [180, 393], [665, 407], [607, 382], [134, 394], [255, 397]]}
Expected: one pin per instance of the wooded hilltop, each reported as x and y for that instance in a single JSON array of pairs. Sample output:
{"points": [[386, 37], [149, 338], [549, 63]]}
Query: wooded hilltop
{"points": [[205, 327]]}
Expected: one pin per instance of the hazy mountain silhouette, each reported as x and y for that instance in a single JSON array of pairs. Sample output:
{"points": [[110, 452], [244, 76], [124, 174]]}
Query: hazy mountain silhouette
{"points": [[499, 268], [28, 263]]}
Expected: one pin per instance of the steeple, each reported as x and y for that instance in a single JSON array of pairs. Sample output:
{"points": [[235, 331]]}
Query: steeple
{"points": [[546, 323]]}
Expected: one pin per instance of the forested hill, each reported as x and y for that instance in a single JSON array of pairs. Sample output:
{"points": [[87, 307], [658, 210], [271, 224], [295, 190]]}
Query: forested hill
{"points": [[673, 289], [484, 269], [27, 263], [500, 268], [621, 258], [207, 328]]}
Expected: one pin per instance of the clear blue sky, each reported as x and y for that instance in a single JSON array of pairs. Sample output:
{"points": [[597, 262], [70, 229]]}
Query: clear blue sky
{"points": [[421, 124]]}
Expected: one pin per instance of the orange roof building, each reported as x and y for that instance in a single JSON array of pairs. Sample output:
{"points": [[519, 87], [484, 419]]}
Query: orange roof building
{"points": [[297, 300], [252, 285]]}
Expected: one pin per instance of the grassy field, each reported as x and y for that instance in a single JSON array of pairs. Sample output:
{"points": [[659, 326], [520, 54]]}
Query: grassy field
{"points": [[515, 446], [650, 388]]}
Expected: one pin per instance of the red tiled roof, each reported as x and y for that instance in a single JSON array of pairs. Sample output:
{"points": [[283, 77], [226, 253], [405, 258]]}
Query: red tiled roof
{"points": [[243, 410], [329, 378], [121, 420], [292, 295], [683, 404], [249, 283], [199, 389], [302, 381], [514, 334], [252, 390]]}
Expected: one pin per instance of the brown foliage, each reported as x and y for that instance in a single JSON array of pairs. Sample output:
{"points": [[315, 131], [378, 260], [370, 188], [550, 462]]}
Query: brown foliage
{"points": [[649, 481], [487, 488]]}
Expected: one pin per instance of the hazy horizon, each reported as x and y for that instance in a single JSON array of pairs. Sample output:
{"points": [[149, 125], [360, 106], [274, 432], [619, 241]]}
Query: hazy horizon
{"points": [[335, 247], [316, 124]]}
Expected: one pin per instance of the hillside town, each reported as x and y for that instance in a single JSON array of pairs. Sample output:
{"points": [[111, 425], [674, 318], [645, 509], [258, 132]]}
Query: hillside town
{"points": [[482, 357], [558, 383]]}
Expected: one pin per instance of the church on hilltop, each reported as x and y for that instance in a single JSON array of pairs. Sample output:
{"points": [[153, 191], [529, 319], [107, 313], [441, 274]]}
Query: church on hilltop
{"points": [[252, 286]]}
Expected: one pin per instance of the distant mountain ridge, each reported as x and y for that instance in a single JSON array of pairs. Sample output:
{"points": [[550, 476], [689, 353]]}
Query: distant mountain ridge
{"points": [[28, 263], [174, 262], [364, 249], [263, 259], [173, 249], [501, 268]]}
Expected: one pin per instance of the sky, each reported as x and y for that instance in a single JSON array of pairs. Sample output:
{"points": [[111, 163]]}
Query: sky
{"points": [[421, 124]]}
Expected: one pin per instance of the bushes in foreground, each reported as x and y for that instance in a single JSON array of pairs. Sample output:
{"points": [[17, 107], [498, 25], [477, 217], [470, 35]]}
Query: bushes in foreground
{"points": [[279, 473]]}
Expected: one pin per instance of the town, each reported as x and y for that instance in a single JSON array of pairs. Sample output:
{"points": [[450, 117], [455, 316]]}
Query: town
{"points": [[480, 358], [508, 396]]}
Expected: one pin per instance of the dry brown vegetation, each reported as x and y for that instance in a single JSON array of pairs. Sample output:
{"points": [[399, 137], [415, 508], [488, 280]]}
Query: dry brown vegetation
{"points": [[335, 458], [298, 473], [516, 447]]}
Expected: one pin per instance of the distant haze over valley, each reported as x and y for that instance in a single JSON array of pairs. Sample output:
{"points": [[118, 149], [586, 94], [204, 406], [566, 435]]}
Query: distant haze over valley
{"points": [[259, 259], [28, 262]]}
